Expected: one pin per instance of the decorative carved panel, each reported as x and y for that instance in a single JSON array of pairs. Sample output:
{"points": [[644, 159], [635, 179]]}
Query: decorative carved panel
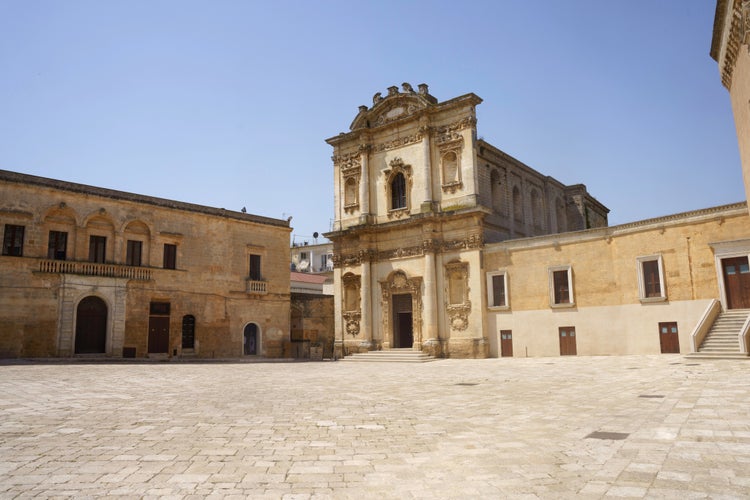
{"points": [[457, 304]]}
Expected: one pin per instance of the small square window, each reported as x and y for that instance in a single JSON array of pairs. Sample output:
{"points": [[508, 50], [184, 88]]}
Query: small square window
{"points": [[13, 240]]}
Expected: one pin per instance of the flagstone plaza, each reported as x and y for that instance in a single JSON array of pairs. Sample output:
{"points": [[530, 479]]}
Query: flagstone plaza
{"points": [[660, 426]]}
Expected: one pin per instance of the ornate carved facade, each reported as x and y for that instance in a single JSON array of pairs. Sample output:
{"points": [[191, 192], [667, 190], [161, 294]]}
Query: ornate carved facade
{"points": [[417, 196]]}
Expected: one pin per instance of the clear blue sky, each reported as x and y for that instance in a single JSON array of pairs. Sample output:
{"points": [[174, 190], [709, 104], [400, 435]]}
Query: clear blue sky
{"points": [[228, 103]]}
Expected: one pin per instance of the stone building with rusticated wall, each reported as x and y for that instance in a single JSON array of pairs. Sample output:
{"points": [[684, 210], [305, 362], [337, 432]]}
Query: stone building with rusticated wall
{"points": [[87, 271]]}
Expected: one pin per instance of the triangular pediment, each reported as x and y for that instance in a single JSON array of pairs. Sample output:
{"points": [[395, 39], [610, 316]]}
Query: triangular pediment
{"points": [[393, 106]]}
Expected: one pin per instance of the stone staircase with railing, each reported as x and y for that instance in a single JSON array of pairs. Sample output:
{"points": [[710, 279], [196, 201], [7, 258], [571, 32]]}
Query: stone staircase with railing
{"points": [[721, 342], [407, 355]]}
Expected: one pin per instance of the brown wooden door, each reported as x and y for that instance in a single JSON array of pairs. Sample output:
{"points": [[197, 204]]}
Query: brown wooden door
{"points": [[158, 334], [403, 321], [737, 282], [91, 326], [567, 341], [506, 343], [669, 338]]}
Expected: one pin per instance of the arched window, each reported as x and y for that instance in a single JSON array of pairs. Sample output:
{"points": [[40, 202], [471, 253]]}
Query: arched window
{"points": [[560, 213], [517, 204], [398, 191], [497, 192], [536, 210]]}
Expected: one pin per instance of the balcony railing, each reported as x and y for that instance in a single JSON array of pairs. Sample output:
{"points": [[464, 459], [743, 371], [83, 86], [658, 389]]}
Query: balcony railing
{"points": [[258, 287], [95, 269]]}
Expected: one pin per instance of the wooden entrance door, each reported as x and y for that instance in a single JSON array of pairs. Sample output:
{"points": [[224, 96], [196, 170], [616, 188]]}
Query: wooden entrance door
{"points": [[91, 326], [737, 282], [567, 341], [158, 334], [403, 321], [506, 343], [669, 338]]}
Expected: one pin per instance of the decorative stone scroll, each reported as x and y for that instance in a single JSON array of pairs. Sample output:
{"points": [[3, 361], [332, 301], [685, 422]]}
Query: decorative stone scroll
{"points": [[351, 286], [351, 322]]}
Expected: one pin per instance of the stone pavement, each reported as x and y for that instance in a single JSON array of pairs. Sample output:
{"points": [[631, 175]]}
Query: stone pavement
{"points": [[497, 428]]}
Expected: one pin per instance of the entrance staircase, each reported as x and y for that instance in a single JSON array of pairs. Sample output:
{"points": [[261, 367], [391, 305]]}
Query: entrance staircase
{"points": [[407, 355], [721, 342]]}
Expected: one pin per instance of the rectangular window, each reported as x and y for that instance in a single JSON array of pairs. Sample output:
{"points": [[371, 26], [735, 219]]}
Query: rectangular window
{"points": [[651, 278], [497, 289], [133, 255], [97, 248], [255, 268], [561, 286], [170, 256], [13, 240], [58, 245]]}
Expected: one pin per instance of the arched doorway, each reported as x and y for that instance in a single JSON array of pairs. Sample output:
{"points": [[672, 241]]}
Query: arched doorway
{"points": [[91, 326], [250, 340]]}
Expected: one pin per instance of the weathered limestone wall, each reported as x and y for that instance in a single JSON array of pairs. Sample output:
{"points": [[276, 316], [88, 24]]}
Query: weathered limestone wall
{"points": [[210, 282], [608, 311]]}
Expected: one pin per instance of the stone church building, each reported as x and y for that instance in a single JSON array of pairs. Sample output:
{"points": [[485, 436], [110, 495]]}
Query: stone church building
{"points": [[447, 245]]}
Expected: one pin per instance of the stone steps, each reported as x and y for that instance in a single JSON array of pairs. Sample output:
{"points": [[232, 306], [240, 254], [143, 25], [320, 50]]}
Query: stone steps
{"points": [[722, 341], [391, 356]]}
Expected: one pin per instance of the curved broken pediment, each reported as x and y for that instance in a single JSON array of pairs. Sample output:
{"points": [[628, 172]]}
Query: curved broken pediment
{"points": [[394, 106]]}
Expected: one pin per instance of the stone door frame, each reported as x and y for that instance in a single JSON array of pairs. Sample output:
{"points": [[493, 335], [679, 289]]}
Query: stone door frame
{"points": [[398, 283]]}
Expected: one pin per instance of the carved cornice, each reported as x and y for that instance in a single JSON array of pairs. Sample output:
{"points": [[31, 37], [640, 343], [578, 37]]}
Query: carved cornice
{"points": [[471, 242], [398, 142], [739, 34], [450, 132]]}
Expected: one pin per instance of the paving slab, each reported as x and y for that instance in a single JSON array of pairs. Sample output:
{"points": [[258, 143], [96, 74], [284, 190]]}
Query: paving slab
{"points": [[571, 427]]}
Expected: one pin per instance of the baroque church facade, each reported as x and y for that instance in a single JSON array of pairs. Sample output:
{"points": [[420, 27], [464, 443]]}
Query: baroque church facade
{"points": [[447, 245], [417, 198]]}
